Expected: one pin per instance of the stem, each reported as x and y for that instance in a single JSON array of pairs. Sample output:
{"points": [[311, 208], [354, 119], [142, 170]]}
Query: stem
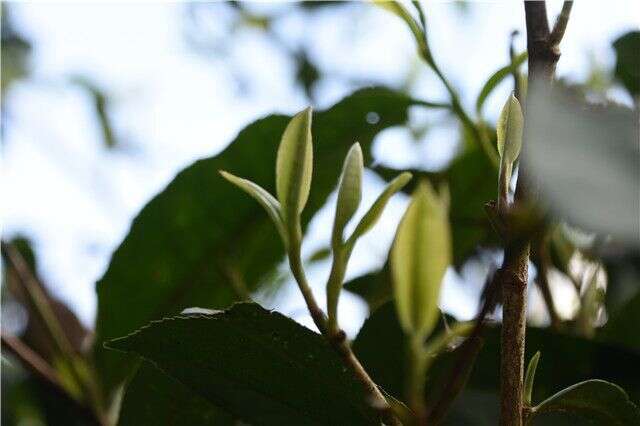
{"points": [[513, 278], [338, 340], [416, 377], [543, 56], [295, 263], [541, 261], [561, 24]]}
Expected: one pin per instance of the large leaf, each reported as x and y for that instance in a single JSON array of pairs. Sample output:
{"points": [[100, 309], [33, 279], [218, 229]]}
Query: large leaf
{"points": [[597, 403], [200, 237], [152, 395], [261, 366]]}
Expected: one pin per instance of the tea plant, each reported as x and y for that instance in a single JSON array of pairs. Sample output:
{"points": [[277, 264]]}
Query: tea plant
{"points": [[157, 359]]}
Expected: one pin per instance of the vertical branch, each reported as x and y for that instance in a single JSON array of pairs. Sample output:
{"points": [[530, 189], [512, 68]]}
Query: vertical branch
{"points": [[544, 53]]}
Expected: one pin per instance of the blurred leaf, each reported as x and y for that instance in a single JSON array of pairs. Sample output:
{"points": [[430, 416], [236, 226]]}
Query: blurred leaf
{"points": [[259, 365], [399, 10], [36, 334], [194, 239], [375, 211], [15, 50], [596, 401], [374, 287], [627, 70], [585, 158], [307, 73], [496, 78], [420, 256], [152, 395]]}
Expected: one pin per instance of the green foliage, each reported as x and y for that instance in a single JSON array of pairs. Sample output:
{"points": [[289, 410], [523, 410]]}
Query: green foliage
{"points": [[627, 68], [509, 130], [258, 365], [152, 395], [529, 378], [191, 242]]}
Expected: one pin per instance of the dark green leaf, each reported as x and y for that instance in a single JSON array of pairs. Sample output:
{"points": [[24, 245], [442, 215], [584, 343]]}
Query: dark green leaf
{"points": [[628, 61], [258, 365], [193, 241], [152, 395], [597, 402], [620, 327], [374, 288]]}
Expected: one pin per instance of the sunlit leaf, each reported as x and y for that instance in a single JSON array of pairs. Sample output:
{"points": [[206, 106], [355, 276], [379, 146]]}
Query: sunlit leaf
{"points": [[419, 258], [266, 200]]}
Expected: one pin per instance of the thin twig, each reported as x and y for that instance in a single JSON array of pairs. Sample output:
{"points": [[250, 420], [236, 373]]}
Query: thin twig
{"points": [[46, 375], [31, 360], [561, 24], [541, 261], [469, 351], [57, 335]]}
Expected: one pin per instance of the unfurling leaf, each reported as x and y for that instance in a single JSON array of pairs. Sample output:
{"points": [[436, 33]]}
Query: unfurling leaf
{"points": [[266, 200], [529, 377], [294, 166], [375, 211], [349, 193], [420, 256], [509, 130]]}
